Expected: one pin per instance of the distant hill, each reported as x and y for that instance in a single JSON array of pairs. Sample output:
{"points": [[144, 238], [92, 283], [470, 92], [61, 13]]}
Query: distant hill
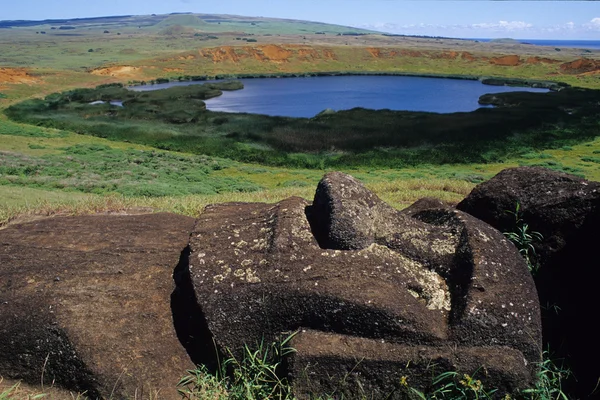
{"points": [[205, 22], [189, 20], [73, 21], [505, 41]]}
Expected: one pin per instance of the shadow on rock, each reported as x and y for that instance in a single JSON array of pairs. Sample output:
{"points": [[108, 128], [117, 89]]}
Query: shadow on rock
{"points": [[188, 319]]}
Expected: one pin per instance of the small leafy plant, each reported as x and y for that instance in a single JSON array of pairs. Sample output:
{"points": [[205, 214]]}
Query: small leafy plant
{"points": [[524, 239], [453, 385]]}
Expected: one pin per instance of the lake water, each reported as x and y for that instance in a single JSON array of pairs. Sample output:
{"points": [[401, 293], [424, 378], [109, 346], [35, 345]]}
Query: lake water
{"points": [[306, 97]]}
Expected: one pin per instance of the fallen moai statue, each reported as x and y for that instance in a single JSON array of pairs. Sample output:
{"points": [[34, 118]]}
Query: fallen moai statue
{"points": [[377, 295]]}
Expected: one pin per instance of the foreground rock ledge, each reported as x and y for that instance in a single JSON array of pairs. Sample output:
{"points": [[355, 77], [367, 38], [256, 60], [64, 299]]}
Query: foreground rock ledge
{"points": [[362, 281], [85, 303]]}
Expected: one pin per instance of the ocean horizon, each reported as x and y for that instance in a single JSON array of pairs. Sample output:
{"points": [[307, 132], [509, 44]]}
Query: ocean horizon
{"points": [[578, 44]]}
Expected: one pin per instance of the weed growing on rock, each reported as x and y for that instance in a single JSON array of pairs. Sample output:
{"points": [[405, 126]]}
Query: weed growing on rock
{"points": [[524, 239], [549, 383], [201, 384], [453, 385], [13, 393], [254, 376]]}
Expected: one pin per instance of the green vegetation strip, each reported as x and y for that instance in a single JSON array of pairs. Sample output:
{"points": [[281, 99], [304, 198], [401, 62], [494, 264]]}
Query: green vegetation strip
{"points": [[176, 119], [100, 169]]}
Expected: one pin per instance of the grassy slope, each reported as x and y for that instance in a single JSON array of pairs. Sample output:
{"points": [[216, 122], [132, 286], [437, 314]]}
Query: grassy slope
{"points": [[45, 161]]}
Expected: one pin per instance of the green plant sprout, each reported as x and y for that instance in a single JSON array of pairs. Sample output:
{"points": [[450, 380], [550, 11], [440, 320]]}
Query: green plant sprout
{"points": [[256, 376], [524, 239], [453, 385]]}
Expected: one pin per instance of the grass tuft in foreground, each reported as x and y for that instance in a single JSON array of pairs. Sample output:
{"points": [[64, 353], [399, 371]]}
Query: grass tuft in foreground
{"points": [[256, 375], [14, 392]]}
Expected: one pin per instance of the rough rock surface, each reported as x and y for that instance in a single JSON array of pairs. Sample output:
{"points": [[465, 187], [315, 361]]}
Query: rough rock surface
{"points": [[85, 303], [362, 281], [553, 203], [565, 209]]}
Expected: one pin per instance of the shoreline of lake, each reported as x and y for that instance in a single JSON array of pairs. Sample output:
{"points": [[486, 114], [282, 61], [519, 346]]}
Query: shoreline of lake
{"points": [[486, 80]]}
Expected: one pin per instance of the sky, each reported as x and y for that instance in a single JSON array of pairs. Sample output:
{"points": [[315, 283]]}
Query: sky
{"points": [[466, 19]]}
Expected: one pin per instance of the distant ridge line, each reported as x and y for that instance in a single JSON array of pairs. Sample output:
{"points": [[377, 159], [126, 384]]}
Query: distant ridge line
{"points": [[25, 22]]}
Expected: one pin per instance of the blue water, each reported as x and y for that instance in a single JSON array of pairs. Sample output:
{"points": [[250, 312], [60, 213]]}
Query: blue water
{"points": [[306, 97], [578, 44]]}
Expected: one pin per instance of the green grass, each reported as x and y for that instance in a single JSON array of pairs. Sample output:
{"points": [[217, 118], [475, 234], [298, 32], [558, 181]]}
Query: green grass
{"points": [[67, 158], [15, 392], [257, 374], [100, 169]]}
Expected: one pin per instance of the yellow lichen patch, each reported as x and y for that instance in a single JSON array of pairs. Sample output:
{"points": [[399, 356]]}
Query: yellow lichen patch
{"points": [[444, 247], [246, 275], [432, 287]]}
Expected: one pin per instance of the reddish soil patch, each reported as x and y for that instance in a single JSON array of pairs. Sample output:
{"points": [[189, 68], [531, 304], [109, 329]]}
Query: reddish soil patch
{"points": [[374, 51], [329, 54], [506, 61], [120, 71], [581, 66], [266, 53], [304, 53], [220, 54], [378, 52], [540, 60], [274, 53], [448, 55], [468, 56], [308, 54], [16, 76]]}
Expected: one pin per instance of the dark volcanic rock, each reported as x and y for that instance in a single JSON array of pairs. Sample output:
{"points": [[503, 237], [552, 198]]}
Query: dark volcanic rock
{"points": [[346, 215], [553, 203], [361, 280], [85, 302], [565, 209]]}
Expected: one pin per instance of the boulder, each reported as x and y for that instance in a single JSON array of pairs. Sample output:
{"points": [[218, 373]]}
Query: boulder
{"points": [[553, 203], [565, 209], [375, 294], [85, 304]]}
